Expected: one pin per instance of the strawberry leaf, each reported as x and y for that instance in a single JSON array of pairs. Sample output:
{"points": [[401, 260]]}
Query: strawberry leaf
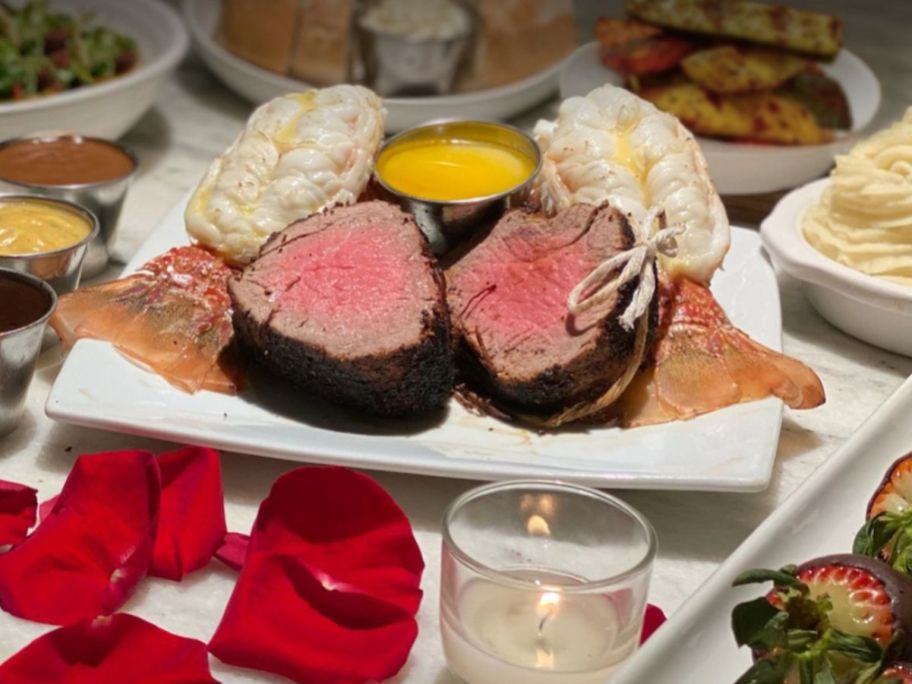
{"points": [[862, 649], [825, 674], [759, 624], [767, 671], [777, 577], [807, 672], [900, 554], [874, 535]]}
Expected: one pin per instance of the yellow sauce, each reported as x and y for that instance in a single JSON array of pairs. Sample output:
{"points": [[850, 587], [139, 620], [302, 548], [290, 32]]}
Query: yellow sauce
{"points": [[445, 170], [33, 227]]}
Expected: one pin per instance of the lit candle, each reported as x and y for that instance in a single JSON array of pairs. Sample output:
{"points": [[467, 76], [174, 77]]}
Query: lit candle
{"points": [[542, 583], [504, 634]]}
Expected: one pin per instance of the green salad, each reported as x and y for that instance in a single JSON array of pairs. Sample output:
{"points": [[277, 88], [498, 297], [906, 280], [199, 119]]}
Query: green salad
{"points": [[43, 51]]}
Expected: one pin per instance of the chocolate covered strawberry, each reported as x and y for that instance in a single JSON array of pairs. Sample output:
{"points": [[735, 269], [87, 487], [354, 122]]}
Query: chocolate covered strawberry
{"points": [[897, 673], [887, 534], [838, 619]]}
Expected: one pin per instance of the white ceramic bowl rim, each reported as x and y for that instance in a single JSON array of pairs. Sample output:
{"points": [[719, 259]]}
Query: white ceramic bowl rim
{"points": [[783, 238], [200, 35], [847, 58], [143, 70]]}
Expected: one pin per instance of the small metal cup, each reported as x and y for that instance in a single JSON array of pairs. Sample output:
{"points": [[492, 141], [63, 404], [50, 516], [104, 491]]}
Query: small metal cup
{"points": [[20, 343], [103, 198], [400, 66], [60, 268], [446, 222]]}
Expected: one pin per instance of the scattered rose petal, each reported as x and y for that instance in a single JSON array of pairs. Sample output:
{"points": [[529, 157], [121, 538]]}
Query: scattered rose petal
{"points": [[87, 556], [346, 525], [652, 620], [119, 648], [191, 515], [233, 550], [282, 619], [18, 506], [45, 508], [329, 585]]}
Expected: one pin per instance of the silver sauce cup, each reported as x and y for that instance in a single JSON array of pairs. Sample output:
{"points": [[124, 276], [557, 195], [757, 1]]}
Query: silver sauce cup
{"points": [[31, 302], [103, 198], [405, 66], [445, 222], [60, 268]]}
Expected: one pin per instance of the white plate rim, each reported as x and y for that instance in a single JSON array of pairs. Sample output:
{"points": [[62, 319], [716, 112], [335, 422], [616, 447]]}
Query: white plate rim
{"points": [[783, 238], [722, 148]]}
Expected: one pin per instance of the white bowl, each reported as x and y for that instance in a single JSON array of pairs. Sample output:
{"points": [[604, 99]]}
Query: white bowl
{"points": [[872, 309], [259, 85], [108, 109], [743, 169]]}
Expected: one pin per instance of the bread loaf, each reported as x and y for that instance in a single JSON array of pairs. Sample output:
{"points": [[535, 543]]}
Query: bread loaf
{"points": [[323, 44], [313, 40], [262, 38], [518, 38]]}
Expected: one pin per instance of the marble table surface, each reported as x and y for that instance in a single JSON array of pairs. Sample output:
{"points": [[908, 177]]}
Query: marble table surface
{"points": [[195, 119]]}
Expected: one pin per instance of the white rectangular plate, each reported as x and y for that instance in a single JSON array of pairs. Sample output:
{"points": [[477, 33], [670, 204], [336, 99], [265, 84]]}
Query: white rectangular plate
{"points": [[820, 518], [732, 449]]}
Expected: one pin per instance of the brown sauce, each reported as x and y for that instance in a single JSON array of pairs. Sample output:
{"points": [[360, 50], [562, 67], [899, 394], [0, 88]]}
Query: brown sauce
{"points": [[20, 303], [66, 160]]}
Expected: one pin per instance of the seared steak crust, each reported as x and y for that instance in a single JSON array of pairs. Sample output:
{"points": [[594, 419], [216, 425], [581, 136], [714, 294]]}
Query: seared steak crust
{"points": [[544, 360], [395, 364]]}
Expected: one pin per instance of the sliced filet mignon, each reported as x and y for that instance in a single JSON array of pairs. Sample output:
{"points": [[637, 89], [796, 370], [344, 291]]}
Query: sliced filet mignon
{"points": [[508, 297], [350, 304]]}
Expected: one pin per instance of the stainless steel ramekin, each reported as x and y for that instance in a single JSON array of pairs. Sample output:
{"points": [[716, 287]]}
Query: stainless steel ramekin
{"points": [[19, 348], [103, 198], [60, 268], [447, 221]]}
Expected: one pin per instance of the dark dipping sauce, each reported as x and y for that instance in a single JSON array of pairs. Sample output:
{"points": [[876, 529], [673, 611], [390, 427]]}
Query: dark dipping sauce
{"points": [[67, 160], [20, 303]]}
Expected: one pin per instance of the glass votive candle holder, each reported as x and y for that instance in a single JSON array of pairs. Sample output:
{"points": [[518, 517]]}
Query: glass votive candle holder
{"points": [[542, 583]]}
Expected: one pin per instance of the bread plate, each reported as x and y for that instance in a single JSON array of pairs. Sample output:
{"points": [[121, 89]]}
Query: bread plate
{"points": [[108, 109], [744, 169], [821, 517], [259, 85], [869, 308], [730, 450]]}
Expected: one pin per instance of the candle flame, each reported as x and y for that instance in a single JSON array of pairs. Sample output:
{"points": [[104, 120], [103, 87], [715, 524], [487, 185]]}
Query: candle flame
{"points": [[548, 605], [547, 608], [537, 526], [549, 602]]}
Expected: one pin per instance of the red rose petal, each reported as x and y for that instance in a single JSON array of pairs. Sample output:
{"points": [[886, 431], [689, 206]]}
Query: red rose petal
{"points": [[345, 524], [86, 558], [282, 619], [652, 620], [233, 550], [18, 507], [119, 648], [330, 582], [191, 515], [45, 508]]}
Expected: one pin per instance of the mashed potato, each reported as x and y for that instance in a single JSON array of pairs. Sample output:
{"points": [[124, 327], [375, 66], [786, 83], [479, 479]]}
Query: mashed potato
{"points": [[864, 217]]}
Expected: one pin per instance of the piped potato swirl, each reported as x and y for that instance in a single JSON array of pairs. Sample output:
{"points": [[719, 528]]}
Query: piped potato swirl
{"points": [[864, 217]]}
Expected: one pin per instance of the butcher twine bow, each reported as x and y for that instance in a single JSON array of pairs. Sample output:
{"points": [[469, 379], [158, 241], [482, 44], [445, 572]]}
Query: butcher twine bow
{"points": [[637, 263]]}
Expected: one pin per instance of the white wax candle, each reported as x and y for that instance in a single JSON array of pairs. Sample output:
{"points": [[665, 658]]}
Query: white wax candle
{"points": [[503, 635]]}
